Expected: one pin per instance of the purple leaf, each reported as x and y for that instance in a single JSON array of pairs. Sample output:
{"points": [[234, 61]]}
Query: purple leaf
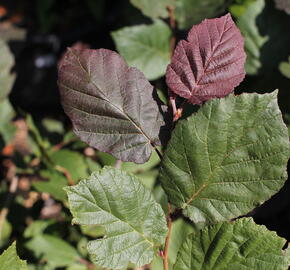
{"points": [[110, 104], [210, 63]]}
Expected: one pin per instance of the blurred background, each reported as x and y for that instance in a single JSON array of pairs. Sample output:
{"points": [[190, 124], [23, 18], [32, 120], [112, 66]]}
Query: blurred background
{"points": [[39, 154]]}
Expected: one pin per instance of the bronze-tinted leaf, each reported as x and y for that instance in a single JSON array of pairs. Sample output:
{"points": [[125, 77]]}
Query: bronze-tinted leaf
{"points": [[110, 104], [210, 63]]}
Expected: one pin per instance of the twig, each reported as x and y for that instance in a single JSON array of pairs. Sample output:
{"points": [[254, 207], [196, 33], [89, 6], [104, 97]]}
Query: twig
{"points": [[88, 264], [166, 248], [66, 173], [62, 144], [118, 164], [5, 210], [172, 99], [158, 152]]}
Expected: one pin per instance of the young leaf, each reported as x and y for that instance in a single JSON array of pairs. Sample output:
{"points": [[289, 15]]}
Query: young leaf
{"points": [[110, 104], [233, 246], [210, 63], [227, 158], [135, 223], [152, 8], [145, 47], [9, 260]]}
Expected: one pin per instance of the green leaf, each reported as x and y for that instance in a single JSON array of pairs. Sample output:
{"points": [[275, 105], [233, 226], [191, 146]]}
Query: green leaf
{"points": [[52, 125], [77, 267], [254, 41], [7, 130], [285, 68], [93, 230], [233, 246], [179, 232], [135, 224], [9, 260], [37, 227], [73, 161], [55, 251], [53, 183], [152, 8], [140, 168], [227, 158], [6, 78], [146, 47], [188, 12], [239, 7], [5, 233]]}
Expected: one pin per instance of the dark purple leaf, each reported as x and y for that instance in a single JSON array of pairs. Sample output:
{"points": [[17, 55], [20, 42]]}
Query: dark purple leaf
{"points": [[210, 63], [110, 104]]}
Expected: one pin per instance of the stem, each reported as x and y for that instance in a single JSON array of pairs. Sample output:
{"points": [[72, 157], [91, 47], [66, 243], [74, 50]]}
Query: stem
{"points": [[88, 264], [66, 173], [158, 152], [166, 248], [118, 164], [5, 209], [172, 99]]}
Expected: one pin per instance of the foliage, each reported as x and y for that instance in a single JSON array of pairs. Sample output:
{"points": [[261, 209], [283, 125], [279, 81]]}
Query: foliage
{"points": [[111, 105], [144, 183], [233, 246], [10, 260], [215, 176], [135, 224], [210, 63], [285, 68], [145, 47]]}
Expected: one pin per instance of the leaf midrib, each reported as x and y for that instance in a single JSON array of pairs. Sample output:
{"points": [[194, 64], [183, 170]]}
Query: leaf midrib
{"points": [[112, 104], [207, 182], [112, 214]]}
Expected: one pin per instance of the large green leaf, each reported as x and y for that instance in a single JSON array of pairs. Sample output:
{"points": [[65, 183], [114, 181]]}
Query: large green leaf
{"points": [[190, 12], [55, 251], [233, 246], [153, 8], [135, 223], [6, 63], [253, 39], [146, 47], [285, 68], [9, 260], [227, 158], [110, 104]]}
